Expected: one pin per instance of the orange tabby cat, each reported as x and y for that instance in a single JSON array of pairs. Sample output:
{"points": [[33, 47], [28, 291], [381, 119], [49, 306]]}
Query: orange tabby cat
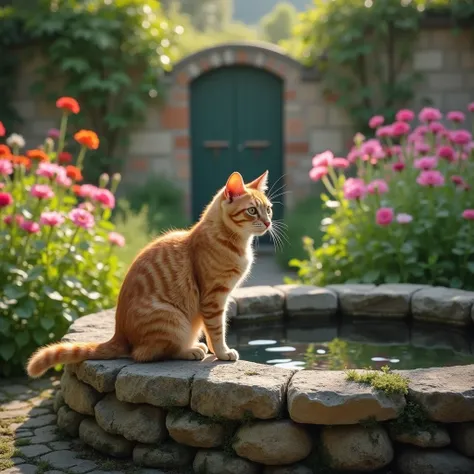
{"points": [[178, 286]]}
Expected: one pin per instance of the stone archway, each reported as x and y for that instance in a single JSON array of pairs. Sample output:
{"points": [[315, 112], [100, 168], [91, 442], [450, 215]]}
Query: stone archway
{"points": [[176, 114]]}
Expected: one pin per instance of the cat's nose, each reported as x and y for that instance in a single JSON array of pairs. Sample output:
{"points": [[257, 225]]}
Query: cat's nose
{"points": [[267, 224]]}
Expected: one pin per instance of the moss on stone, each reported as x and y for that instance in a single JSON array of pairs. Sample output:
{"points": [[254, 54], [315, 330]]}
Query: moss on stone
{"points": [[383, 380], [412, 420]]}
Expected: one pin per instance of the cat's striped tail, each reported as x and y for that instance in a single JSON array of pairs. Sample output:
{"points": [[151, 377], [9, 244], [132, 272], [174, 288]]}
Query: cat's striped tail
{"points": [[71, 353]]}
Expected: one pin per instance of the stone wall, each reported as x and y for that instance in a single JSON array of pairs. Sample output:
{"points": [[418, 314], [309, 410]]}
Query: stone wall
{"points": [[313, 123], [232, 418]]}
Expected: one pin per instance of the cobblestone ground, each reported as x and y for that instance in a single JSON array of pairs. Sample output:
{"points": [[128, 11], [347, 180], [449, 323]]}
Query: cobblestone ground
{"points": [[30, 442]]}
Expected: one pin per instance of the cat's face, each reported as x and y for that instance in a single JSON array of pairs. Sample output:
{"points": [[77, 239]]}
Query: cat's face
{"points": [[246, 208]]}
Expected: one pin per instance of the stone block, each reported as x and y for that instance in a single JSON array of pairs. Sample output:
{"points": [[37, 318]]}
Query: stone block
{"points": [[93, 435], [338, 117], [462, 436], [58, 401], [150, 143], [97, 327], [142, 423], [326, 397], [444, 81], [467, 60], [326, 139], [446, 394], [308, 300], [238, 390], [69, 421], [438, 437], [273, 442], [26, 108], [219, 462], [355, 448], [428, 60], [79, 396], [292, 469], [258, 303], [443, 305], [316, 115], [456, 100], [434, 461], [192, 429], [168, 455], [430, 336]]}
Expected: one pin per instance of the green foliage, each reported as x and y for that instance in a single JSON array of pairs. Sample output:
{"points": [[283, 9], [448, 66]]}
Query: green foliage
{"points": [[383, 380], [412, 420], [278, 24], [51, 271]]}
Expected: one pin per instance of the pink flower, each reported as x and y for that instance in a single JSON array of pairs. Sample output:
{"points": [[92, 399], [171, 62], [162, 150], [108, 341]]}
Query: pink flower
{"points": [[30, 226], [88, 206], [385, 131], [431, 178], [456, 116], [460, 137], [371, 149], [50, 170], [384, 216], [446, 152], [54, 133], [436, 127], [323, 159], [105, 197], [376, 121], [426, 163], [341, 163], [429, 114], [404, 218], [468, 214], [42, 191], [405, 115], [63, 180], [82, 218], [470, 107], [458, 181], [400, 128], [6, 167], [87, 190], [116, 239], [398, 166], [354, 188], [51, 219], [421, 147], [421, 130], [353, 155], [317, 173], [377, 186], [5, 199]]}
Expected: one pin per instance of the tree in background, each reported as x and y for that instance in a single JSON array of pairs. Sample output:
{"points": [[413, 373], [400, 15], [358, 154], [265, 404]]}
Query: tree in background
{"points": [[278, 24]]}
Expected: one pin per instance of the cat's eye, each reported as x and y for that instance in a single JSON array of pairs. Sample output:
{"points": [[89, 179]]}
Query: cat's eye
{"points": [[252, 211]]}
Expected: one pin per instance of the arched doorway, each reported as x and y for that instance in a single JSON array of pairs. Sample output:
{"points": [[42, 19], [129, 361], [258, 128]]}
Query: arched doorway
{"points": [[236, 125]]}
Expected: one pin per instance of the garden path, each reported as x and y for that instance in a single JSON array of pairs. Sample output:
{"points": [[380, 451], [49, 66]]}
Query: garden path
{"points": [[266, 270]]}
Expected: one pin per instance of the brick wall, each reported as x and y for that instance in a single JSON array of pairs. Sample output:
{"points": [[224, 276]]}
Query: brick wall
{"points": [[312, 122]]}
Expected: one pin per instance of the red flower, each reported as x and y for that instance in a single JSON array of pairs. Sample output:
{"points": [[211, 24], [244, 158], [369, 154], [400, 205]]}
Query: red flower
{"points": [[68, 104], [74, 173], [39, 155], [4, 149], [5, 199], [76, 189], [65, 157], [87, 138], [2, 130]]}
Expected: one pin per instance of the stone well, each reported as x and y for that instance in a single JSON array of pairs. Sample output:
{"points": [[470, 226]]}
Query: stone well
{"points": [[242, 417]]}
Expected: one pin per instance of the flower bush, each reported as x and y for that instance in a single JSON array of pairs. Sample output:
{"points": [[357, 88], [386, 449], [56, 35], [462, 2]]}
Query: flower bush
{"points": [[56, 240], [407, 215]]}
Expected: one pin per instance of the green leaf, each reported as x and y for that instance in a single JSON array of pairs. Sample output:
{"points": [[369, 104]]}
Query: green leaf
{"points": [[392, 278], [40, 336], [22, 339], [107, 225], [4, 326], [371, 276], [7, 349], [35, 272], [26, 308], [470, 267], [52, 294], [442, 214], [294, 262], [17, 271], [456, 282], [14, 292], [47, 323]]}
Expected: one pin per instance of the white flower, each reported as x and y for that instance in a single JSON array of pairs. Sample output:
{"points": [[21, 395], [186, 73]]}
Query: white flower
{"points": [[15, 140]]}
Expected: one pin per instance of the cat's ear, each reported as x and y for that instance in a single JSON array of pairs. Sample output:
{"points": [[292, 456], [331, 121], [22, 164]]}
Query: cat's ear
{"points": [[261, 183], [235, 186]]}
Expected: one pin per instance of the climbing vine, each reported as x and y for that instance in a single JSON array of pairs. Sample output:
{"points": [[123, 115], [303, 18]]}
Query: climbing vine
{"points": [[110, 55], [363, 49]]}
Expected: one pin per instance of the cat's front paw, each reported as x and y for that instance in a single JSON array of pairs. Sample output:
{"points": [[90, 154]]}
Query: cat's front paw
{"points": [[228, 354]]}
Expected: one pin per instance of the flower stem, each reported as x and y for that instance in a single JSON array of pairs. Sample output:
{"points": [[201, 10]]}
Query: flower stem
{"points": [[80, 158], [62, 134]]}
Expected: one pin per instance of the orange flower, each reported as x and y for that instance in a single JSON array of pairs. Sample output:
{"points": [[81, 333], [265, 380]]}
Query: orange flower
{"points": [[87, 138], [21, 160], [76, 189], [68, 104], [74, 173], [5, 150], [36, 154]]}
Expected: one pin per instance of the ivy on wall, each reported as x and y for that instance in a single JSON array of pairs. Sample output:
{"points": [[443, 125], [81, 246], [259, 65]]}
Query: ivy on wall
{"points": [[363, 49], [110, 55]]}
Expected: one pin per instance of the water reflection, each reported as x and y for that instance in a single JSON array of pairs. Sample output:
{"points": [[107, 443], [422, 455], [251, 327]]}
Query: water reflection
{"points": [[356, 344]]}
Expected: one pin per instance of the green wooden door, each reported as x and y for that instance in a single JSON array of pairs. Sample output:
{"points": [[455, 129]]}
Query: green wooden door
{"points": [[236, 125]]}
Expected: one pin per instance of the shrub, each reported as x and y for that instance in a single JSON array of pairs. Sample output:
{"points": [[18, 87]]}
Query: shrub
{"points": [[408, 215], [56, 241]]}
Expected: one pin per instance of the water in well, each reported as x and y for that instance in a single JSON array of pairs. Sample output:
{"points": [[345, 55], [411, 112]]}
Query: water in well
{"points": [[354, 344]]}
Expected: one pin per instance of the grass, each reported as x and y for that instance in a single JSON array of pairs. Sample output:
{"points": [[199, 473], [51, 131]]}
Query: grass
{"points": [[303, 220], [43, 466], [383, 380]]}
